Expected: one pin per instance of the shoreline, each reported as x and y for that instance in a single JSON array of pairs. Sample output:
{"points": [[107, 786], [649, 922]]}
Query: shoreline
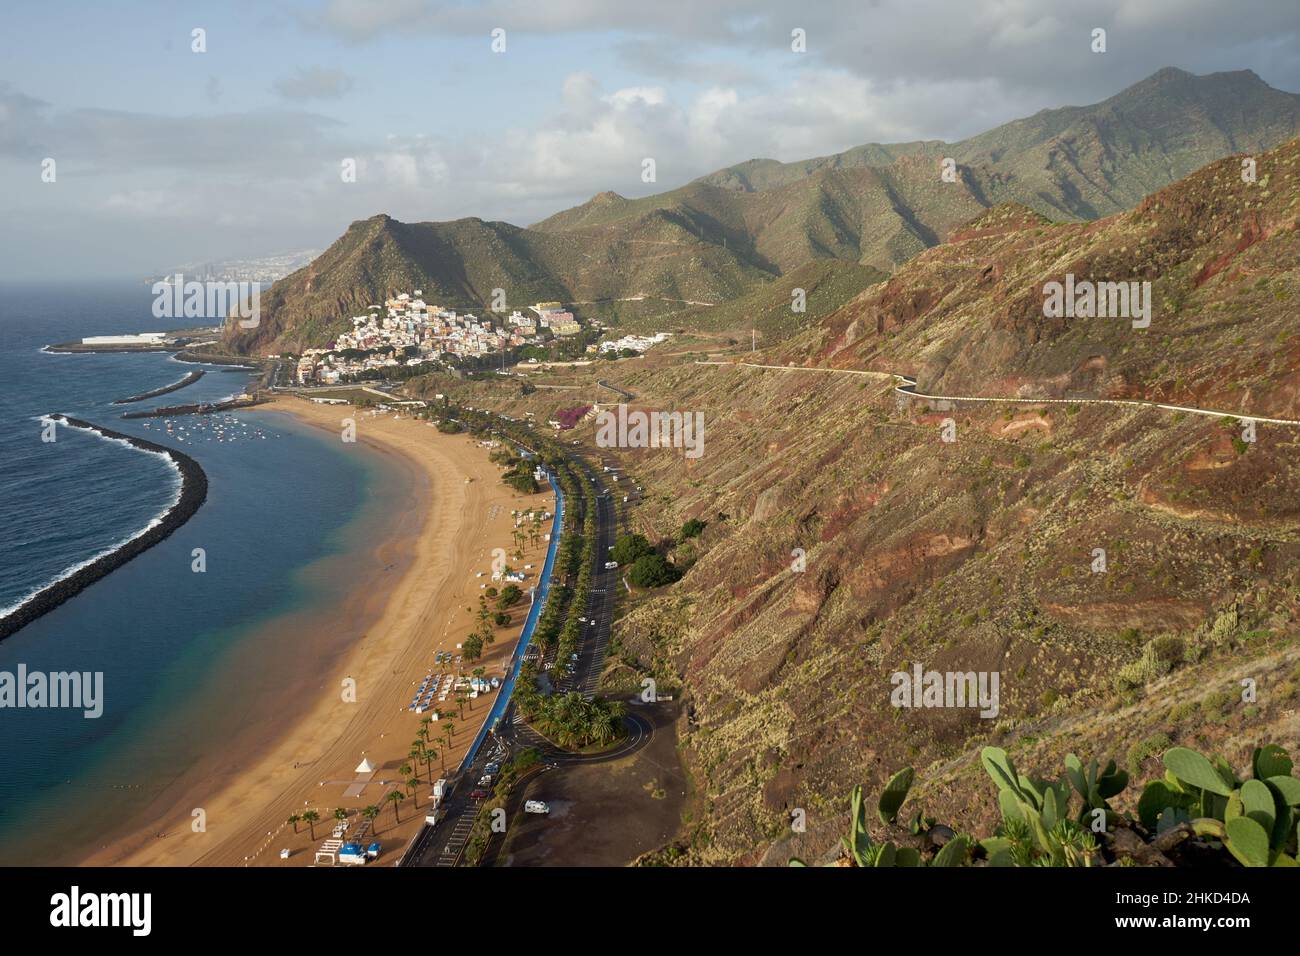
{"points": [[193, 492], [452, 510]]}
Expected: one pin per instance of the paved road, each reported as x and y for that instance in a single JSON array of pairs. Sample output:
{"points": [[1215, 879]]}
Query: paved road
{"points": [[442, 844], [639, 732], [908, 388], [627, 396], [599, 611]]}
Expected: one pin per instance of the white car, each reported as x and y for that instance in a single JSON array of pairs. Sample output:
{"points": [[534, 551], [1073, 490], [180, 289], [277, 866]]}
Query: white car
{"points": [[536, 806]]}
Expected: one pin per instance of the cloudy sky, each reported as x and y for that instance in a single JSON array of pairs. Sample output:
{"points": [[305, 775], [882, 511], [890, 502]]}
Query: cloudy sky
{"points": [[164, 155]]}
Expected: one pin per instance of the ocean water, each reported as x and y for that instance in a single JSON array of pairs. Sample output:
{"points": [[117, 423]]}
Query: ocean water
{"points": [[286, 512]]}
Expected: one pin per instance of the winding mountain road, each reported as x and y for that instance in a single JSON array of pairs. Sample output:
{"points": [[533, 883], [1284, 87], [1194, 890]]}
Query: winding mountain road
{"points": [[908, 387]]}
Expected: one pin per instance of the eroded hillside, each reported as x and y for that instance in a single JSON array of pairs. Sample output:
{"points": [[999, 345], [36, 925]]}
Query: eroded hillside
{"points": [[846, 540]]}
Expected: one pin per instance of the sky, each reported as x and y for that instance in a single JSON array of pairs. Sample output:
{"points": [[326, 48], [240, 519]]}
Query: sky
{"points": [[164, 154]]}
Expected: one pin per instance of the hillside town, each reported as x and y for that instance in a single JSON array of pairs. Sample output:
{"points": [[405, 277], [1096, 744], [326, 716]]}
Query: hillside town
{"points": [[407, 331]]}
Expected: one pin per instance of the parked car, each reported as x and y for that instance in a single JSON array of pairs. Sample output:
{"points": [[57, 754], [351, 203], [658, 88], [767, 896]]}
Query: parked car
{"points": [[536, 806], [479, 794], [611, 565], [485, 780]]}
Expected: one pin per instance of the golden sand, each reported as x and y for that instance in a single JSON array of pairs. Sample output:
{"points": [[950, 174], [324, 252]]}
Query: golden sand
{"points": [[454, 527]]}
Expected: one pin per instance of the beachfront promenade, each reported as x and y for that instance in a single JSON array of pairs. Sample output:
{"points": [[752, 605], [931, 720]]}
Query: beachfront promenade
{"points": [[441, 844], [526, 635]]}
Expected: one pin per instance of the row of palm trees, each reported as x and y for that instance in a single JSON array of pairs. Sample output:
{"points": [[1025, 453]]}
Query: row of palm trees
{"points": [[420, 753], [371, 813]]}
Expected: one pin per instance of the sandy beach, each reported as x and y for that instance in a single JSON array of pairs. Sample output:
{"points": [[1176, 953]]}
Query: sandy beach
{"points": [[448, 531]]}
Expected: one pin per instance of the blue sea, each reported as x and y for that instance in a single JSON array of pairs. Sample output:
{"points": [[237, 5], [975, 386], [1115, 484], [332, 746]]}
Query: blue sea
{"points": [[190, 660]]}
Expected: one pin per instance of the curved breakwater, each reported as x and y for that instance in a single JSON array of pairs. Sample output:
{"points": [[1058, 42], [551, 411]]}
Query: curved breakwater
{"points": [[193, 492], [189, 379]]}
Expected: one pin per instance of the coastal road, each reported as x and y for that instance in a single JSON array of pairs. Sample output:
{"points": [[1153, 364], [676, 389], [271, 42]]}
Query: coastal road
{"points": [[907, 387], [443, 843], [637, 729], [599, 611]]}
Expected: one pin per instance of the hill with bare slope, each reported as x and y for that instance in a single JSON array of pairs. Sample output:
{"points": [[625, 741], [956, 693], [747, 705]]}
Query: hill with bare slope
{"points": [[1122, 570], [728, 233]]}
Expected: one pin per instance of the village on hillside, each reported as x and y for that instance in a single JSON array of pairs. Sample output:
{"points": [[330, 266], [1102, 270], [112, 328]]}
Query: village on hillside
{"points": [[407, 332]]}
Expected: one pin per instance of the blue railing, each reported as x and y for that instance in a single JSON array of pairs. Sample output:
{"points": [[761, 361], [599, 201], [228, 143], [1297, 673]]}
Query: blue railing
{"points": [[517, 662]]}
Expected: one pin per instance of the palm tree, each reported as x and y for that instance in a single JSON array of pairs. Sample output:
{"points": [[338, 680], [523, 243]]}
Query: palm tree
{"points": [[404, 770], [340, 814], [370, 813], [294, 818], [460, 703], [427, 755], [449, 732], [310, 817], [411, 786], [395, 798]]}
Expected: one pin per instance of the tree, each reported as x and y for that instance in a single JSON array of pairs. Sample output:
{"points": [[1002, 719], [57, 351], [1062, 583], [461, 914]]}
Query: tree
{"points": [[629, 547], [652, 571], [371, 813], [472, 647], [340, 814], [310, 817], [395, 798], [693, 528], [294, 818], [411, 788]]}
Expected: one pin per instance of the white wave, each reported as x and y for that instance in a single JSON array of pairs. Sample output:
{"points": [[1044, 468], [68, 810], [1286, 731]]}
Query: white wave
{"points": [[177, 485]]}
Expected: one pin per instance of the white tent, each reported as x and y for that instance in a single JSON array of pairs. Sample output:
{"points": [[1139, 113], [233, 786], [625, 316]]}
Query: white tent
{"points": [[365, 766]]}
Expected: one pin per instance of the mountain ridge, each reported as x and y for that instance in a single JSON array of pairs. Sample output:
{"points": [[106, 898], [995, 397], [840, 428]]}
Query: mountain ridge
{"points": [[720, 236]]}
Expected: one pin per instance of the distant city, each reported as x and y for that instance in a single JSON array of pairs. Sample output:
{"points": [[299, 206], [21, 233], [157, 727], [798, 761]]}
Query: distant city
{"points": [[264, 269]]}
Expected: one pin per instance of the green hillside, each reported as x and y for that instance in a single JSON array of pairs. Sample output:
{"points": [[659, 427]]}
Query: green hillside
{"points": [[713, 240]]}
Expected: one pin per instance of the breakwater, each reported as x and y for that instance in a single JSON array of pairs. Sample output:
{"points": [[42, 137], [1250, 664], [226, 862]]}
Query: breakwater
{"points": [[217, 358], [201, 408], [193, 492], [189, 379]]}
